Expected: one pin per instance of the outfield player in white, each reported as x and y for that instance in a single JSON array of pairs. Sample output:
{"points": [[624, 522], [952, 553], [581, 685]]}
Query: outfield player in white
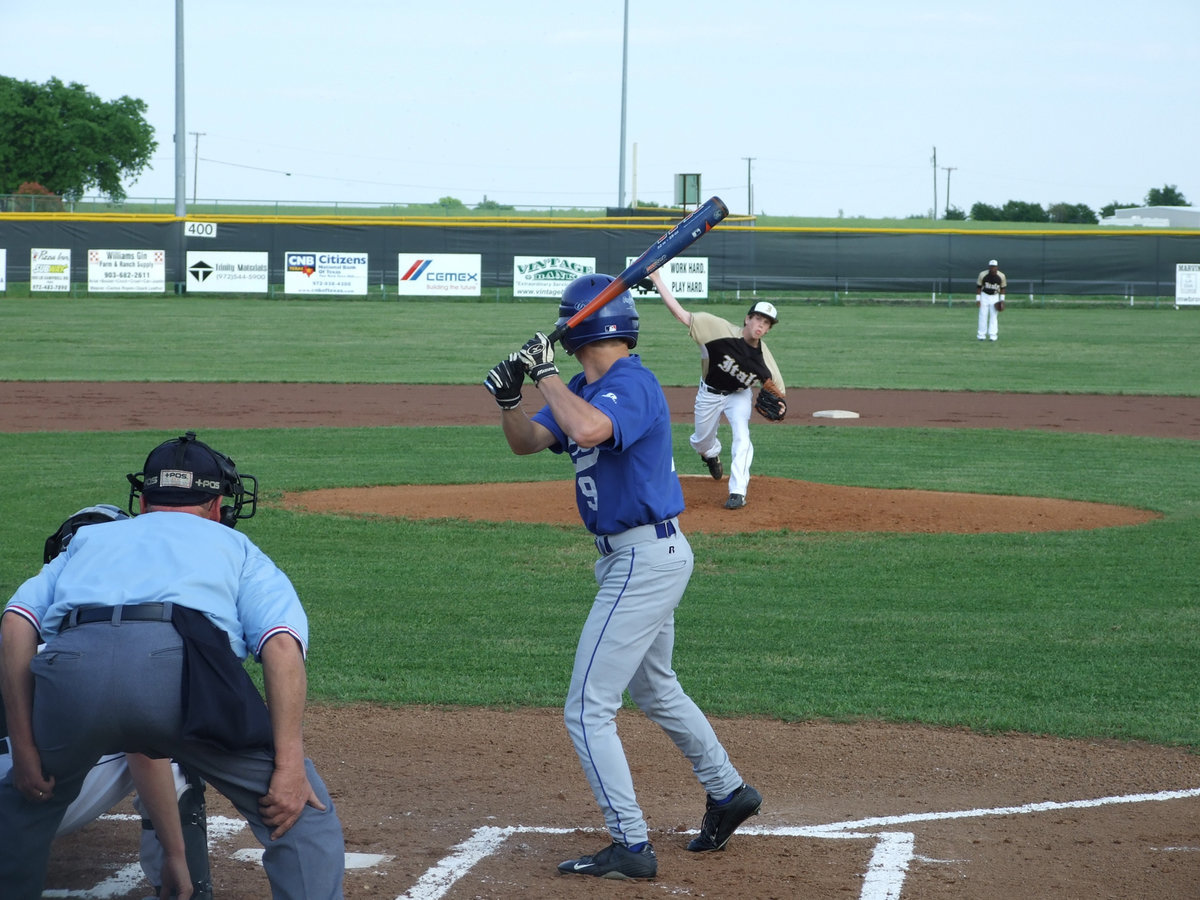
{"points": [[732, 359], [990, 286]]}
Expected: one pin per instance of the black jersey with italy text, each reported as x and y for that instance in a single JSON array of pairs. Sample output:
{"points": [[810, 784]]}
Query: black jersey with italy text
{"points": [[732, 363], [991, 284]]}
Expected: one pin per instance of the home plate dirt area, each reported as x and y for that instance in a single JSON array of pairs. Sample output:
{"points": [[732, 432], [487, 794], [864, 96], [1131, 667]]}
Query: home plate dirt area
{"points": [[480, 803]]}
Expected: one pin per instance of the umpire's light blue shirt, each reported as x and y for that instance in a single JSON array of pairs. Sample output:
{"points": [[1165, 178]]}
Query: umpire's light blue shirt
{"points": [[162, 557]]}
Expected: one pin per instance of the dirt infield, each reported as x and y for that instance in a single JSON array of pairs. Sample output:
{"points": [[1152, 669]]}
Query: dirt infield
{"points": [[484, 803]]}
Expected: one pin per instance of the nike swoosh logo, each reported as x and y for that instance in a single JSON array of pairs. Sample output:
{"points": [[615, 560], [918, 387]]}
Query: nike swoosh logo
{"points": [[579, 866]]}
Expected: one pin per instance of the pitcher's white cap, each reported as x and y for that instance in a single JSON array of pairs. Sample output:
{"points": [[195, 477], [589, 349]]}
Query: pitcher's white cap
{"points": [[763, 308]]}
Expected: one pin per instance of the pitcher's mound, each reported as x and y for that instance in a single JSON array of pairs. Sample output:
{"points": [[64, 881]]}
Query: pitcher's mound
{"points": [[773, 504]]}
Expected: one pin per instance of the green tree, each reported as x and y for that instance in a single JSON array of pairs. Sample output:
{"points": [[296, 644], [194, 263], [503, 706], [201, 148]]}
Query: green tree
{"points": [[1168, 195], [65, 137], [983, 212], [1109, 209], [486, 205], [1020, 211], [954, 214], [1072, 213]]}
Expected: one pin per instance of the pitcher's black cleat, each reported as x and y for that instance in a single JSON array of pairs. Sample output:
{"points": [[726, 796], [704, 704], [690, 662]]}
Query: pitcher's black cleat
{"points": [[714, 466]]}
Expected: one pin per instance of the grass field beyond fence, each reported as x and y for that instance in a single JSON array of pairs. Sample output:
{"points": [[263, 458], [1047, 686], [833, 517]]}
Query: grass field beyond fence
{"points": [[1084, 634]]}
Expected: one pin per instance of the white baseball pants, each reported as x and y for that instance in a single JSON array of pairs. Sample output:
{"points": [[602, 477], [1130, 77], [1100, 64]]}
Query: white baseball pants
{"points": [[736, 408]]}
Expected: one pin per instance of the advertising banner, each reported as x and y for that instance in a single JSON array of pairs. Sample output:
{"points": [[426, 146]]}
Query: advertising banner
{"points": [[316, 272], [546, 276], [1187, 284], [440, 274], [140, 271], [227, 272], [50, 270], [686, 276]]}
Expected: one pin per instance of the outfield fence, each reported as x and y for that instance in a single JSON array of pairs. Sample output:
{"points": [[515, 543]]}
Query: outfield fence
{"points": [[741, 257]]}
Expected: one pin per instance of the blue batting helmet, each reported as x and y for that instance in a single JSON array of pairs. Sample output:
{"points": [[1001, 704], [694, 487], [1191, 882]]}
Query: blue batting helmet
{"points": [[616, 319]]}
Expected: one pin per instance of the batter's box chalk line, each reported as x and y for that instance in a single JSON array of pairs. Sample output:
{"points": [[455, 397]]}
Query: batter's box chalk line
{"points": [[883, 880], [893, 853]]}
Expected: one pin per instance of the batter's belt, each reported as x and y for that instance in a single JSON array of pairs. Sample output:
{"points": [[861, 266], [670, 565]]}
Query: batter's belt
{"points": [[611, 543]]}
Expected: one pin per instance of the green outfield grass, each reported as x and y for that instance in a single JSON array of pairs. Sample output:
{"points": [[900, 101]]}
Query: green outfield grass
{"points": [[927, 346], [1080, 634], [1087, 634]]}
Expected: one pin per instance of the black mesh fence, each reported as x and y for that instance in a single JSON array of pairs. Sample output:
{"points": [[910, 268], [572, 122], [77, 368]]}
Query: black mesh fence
{"points": [[739, 257]]}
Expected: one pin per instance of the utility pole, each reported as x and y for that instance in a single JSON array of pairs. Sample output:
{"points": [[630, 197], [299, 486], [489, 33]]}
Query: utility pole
{"points": [[934, 182], [948, 170], [749, 187], [196, 162]]}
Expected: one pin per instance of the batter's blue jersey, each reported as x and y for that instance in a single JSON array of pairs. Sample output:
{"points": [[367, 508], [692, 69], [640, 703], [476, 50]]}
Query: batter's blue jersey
{"points": [[630, 479]]}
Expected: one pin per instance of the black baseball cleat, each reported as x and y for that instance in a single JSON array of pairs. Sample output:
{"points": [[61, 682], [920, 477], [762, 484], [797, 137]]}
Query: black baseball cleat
{"points": [[735, 501], [614, 861], [714, 466], [722, 819]]}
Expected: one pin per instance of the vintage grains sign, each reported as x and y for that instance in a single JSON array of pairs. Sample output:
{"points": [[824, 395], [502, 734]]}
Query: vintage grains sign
{"points": [[547, 276]]}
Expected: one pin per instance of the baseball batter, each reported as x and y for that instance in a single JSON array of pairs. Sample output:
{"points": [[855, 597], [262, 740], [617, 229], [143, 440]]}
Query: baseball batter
{"points": [[732, 359], [613, 422], [989, 296]]}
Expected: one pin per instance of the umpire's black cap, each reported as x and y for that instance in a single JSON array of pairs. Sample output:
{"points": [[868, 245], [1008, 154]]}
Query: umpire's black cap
{"points": [[186, 471]]}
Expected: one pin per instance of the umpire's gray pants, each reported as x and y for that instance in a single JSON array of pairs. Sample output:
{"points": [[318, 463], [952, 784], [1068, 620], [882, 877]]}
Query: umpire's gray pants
{"points": [[103, 688]]}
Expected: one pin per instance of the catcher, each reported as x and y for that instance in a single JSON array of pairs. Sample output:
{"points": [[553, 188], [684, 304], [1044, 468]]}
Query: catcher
{"points": [[732, 359]]}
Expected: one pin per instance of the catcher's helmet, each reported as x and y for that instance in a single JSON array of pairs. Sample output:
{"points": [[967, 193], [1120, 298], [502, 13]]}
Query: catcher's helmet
{"points": [[187, 472], [89, 515], [616, 319]]}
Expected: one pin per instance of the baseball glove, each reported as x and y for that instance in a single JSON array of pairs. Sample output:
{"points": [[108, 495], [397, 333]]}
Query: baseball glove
{"points": [[770, 402], [999, 306]]}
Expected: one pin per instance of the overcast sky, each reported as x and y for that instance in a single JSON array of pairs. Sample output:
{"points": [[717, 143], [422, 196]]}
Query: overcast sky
{"points": [[839, 106]]}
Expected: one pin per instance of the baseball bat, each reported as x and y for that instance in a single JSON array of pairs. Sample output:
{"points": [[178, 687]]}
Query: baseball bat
{"points": [[686, 232]]}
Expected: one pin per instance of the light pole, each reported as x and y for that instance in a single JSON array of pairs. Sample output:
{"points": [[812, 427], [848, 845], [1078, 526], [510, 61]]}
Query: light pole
{"points": [[624, 80], [180, 136]]}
